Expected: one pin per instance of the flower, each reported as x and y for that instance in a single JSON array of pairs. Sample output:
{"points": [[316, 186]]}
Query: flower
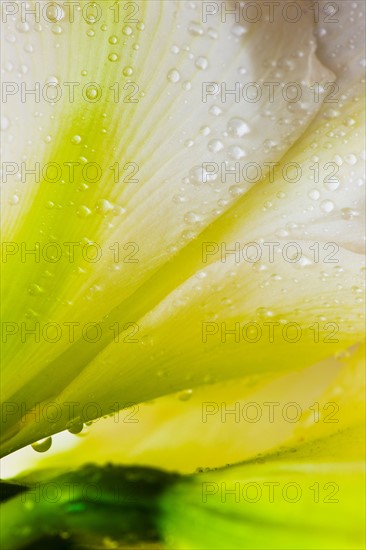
{"points": [[156, 267]]}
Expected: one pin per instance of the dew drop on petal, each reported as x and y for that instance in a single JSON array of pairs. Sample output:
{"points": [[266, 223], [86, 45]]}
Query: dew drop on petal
{"points": [[327, 206], [185, 395], [76, 139], [201, 63], [332, 184], [235, 152], [236, 190], [349, 214], [173, 76], [76, 428], [212, 33], [215, 110], [237, 127], [195, 29], [83, 211], [113, 57], [238, 30], [4, 123], [314, 194], [92, 92], [127, 71], [215, 145], [54, 12], [23, 27], [127, 30], [103, 207], [56, 29], [192, 218], [35, 290], [14, 200], [42, 445], [264, 312], [351, 159]]}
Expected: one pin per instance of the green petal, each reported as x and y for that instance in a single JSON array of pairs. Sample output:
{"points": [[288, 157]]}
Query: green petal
{"points": [[307, 497], [307, 500]]}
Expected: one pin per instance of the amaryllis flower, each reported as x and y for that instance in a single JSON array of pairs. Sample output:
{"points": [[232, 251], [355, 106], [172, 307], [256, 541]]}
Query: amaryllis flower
{"points": [[182, 212]]}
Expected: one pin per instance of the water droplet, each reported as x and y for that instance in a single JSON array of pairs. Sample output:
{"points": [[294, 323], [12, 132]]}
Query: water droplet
{"points": [[195, 29], [238, 30], [127, 30], [54, 12], [173, 76], [83, 211], [215, 110], [76, 428], [113, 39], [56, 29], [350, 121], [314, 194], [13, 200], [235, 152], [4, 123], [92, 93], [113, 57], [127, 71], [103, 207], [42, 445], [201, 63], [351, 159], [237, 127], [119, 210], [236, 190], [76, 139], [327, 206], [192, 218], [304, 261], [90, 33], [178, 199], [23, 27], [199, 175], [264, 312], [215, 145], [331, 113], [140, 26], [35, 290], [349, 214], [185, 395], [332, 184], [212, 33]]}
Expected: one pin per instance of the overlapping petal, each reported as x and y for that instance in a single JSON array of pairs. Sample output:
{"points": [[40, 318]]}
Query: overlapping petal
{"points": [[170, 304]]}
